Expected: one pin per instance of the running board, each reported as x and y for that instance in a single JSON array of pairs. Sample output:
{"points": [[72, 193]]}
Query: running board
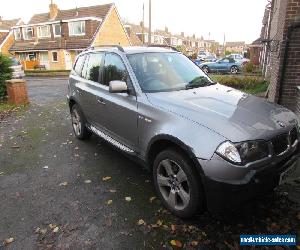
{"points": [[111, 140]]}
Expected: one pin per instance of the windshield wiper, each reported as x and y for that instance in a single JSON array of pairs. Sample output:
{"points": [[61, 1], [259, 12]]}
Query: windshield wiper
{"points": [[198, 85]]}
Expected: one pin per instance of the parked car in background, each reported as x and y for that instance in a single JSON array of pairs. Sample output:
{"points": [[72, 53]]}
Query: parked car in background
{"points": [[17, 68], [225, 65], [206, 145], [202, 55], [238, 58]]}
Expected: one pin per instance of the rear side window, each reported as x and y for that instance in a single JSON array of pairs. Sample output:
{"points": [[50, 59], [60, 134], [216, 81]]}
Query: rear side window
{"points": [[93, 67], [79, 64], [114, 69]]}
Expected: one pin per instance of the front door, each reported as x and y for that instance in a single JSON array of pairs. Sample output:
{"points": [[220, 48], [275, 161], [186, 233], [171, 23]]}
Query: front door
{"points": [[121, 112], [68, 60], [44, 59]]}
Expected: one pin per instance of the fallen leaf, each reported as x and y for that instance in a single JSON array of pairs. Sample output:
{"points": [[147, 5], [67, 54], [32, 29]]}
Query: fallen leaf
{"points": [[63, 184], [106, 178], [87, 181], [109, 202], [112, 190], [8, 241], [52, 226], [176, 243], [173, 227], [194, 243], [159, 222], [141, 222], [128, 198], [55, 230], [152, 199]]}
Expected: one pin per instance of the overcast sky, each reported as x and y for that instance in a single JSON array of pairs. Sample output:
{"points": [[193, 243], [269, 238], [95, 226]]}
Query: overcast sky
{"points": [[240, 20]]}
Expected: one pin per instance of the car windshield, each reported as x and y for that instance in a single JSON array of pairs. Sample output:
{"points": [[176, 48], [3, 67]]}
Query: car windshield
{"points": [[158, 72]]}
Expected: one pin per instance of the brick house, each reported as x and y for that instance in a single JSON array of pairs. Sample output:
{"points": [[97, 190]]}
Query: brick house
{"points": [[6, 34], [282, 52], [235, 47], [54, 39]]}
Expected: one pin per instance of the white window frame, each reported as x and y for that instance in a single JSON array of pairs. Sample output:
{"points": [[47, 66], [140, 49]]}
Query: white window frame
{"points": [[82, 23], [56, 56], [25, 33], [53, 28], [18, 30], [39, 31]]}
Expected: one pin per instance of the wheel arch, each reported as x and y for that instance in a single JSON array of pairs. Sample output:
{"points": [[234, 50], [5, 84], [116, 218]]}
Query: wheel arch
{"points": [[163, 141]]}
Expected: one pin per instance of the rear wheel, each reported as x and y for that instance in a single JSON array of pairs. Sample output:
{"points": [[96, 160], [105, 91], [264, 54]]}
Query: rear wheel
{"points": [[178, 184], [205, 69], [234, 70], [79, 123]]}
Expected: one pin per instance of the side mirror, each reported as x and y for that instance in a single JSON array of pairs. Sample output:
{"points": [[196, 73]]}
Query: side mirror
{"points": [[117, 87]]}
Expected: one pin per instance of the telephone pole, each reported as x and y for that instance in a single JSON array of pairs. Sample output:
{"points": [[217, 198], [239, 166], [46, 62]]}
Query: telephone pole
{"points": [[149, 35], [143, 25]]}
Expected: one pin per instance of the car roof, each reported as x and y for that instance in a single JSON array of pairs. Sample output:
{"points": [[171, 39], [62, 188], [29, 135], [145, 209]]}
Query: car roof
{"points": [[133, 49]]}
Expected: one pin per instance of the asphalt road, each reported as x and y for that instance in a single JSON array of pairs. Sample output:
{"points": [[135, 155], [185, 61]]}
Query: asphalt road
{"points": [[55, 194]]}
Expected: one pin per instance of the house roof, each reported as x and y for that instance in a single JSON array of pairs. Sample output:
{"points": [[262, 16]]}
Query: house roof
{"points": [[235, 44], [3, 36], [98, 11], [51, 45], [8, 24]]}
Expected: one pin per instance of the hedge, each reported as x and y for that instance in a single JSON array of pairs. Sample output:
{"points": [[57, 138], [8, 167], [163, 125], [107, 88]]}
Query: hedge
{"points": [[5, 74]]}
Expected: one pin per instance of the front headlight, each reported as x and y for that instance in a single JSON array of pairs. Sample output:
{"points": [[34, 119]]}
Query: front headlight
{"points": [[228, 151], [244, 152]]}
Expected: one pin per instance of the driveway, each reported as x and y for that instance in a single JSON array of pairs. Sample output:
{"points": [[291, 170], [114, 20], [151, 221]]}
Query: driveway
{"points": [[60, 193]]}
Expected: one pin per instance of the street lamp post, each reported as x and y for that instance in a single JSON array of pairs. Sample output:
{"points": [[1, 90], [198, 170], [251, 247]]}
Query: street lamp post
{"points": [[149, 35]]}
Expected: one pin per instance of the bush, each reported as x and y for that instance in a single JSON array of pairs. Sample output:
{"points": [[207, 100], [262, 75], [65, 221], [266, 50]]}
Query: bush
{"points": [[251, 84], [5, 74], [249, 67]]}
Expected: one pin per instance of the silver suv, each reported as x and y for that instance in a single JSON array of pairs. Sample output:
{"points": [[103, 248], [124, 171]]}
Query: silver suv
{"points": [[208, 146]]}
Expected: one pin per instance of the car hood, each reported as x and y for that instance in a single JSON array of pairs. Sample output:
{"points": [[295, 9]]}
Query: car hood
{"points": [[228, 112]]}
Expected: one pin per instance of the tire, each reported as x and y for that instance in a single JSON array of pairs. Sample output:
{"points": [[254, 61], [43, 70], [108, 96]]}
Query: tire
{"points": [[205, 69], [234, 70], [183, 195], [79, 123]]}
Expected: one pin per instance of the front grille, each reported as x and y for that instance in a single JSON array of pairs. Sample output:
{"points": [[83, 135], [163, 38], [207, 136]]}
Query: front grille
{"points": [[293, 135], [280, 143]]}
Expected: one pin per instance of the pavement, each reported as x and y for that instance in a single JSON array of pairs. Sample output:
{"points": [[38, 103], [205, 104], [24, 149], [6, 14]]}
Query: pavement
{"points": [[57, 192]]}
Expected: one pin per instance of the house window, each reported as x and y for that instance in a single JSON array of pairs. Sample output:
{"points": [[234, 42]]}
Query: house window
{"points": [[77, 28], [28, 33], [56, 30], [44, 31], [54, 56], [17, 33]]}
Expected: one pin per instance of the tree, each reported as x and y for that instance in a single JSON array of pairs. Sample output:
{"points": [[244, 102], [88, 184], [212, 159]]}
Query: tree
{"points": [[5, 73]]}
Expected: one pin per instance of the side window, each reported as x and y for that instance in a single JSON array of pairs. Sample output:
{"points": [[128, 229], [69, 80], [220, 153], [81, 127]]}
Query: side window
{"points": [[79, 64], [92, 68], [114, 69]]}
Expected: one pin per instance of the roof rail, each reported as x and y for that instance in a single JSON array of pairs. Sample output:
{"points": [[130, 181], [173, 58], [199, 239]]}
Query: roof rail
{"points": [[108, 46], [163, 46]]}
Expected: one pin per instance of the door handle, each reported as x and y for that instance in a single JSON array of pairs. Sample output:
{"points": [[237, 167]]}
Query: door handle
{"points": [[101, 101]]}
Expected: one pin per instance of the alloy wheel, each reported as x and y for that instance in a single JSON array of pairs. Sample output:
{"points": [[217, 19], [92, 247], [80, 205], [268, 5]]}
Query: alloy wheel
{"points": [[233, 70], [76, 122], [173, 184]]}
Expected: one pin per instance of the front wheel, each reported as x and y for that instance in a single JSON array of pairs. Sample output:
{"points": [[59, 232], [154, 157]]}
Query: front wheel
{"points": [[178, 184], [234, 70]]}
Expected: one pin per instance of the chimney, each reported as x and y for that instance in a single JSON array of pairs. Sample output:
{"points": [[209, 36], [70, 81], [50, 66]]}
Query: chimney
{"points": [[166, 30], [53, 10], [182, 34]]}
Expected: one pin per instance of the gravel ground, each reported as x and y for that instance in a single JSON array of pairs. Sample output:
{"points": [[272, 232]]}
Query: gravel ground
{"points": [[60, 193]]}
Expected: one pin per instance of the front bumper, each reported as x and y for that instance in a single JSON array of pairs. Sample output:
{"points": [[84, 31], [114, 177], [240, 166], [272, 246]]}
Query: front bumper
{"points": [[239, 185]]}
